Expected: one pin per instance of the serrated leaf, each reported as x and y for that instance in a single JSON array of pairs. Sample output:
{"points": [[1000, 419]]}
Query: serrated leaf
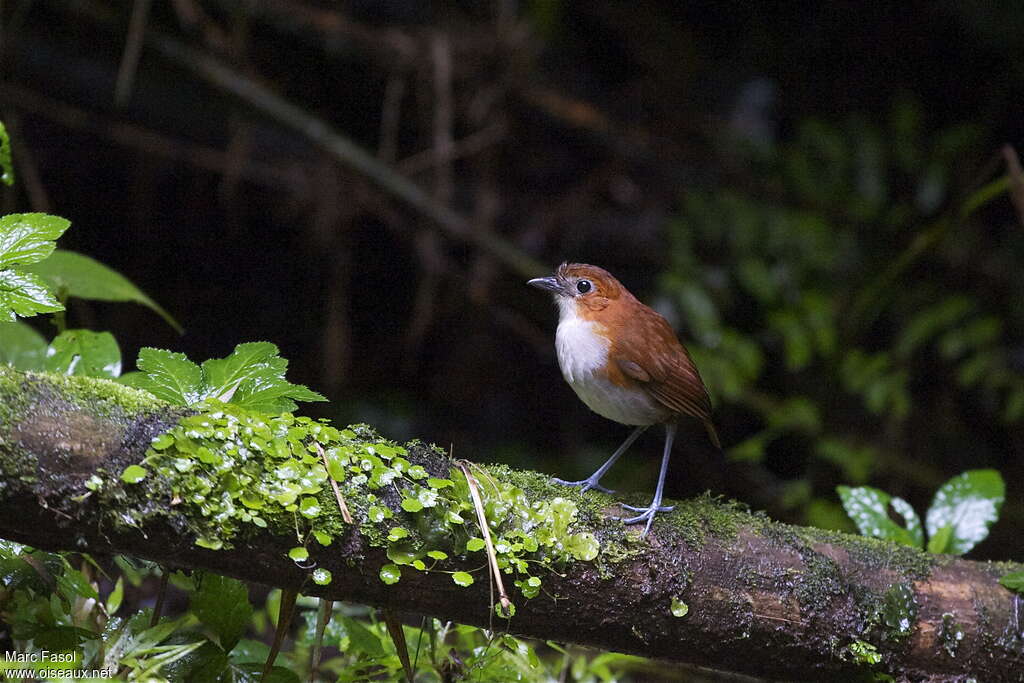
{"points": [[249, 361], [84, 352], [222, 605], [1014, 581], [170, 376], [28, 237], [969, 504], [21, 347], [868, 508], [86, 278], [462, 578], [24, 294]]}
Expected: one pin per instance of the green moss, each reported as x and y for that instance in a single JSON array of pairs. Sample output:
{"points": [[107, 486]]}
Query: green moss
{"points": [[236, 471], [100, 397]]}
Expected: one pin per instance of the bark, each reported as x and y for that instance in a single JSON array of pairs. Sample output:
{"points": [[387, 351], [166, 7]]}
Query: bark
{"points": [[764, 598]]}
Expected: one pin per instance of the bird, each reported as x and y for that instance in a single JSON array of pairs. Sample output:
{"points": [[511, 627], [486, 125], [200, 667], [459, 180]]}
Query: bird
{"points": [[626, 364]]}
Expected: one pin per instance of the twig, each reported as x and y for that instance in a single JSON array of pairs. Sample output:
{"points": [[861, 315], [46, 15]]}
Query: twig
{"points": [[464, 147], [1016, 176], [398, 638], [492, 557], [345, 514], [284, 620], [323, 618], [161, 595], [347, 152], [390, 117], [143, 139], [132, 50]]}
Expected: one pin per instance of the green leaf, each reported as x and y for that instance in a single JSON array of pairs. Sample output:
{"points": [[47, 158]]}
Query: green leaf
{"points": [[1014, 581], [133, 474], [115, 597], [6, 166], [170, 376], [390, 573], [868, 508], [86, 278], [679, 608], [940, 540], [86, 353], [411, 505], [321, 576], [209, 543], [299, 554], [28, 237], [309, 507], [21, 347], [24, 294], [248, 362], [474, 544], [254, 373], [463, 578], [969, 503], [362, 639], [222, 605]]}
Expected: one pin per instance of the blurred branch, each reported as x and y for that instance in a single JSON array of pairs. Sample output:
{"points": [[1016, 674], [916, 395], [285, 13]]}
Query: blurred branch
{"points": [[346, 151], [146, 140], [132, 51], [1016, 180]]}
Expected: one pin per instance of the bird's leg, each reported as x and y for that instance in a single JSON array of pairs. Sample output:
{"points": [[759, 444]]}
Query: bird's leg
{"points": [[647, 513], [592, 482]]}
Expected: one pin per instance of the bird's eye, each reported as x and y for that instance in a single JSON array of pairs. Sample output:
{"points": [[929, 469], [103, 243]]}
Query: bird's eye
{"points": [[583, 286]]}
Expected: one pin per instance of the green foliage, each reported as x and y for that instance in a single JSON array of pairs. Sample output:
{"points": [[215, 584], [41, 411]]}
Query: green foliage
{"points": [[6, 165], [961, 513], [21, 347], [27, 238], [829, 302], [252, 376], [869, 509], [78, 275], [82, 352], [222, 605], [967, 505], [1014, 581]]}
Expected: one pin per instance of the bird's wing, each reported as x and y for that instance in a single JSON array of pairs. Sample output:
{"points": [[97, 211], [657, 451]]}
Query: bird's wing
{"points": [[670, 375]]}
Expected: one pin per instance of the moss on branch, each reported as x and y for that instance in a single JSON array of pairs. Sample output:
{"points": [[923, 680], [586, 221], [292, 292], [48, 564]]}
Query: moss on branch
{"points": [[234, 491]]}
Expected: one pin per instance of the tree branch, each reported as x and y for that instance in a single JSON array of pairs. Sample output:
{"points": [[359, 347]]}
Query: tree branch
{"points": [[763, 597]]}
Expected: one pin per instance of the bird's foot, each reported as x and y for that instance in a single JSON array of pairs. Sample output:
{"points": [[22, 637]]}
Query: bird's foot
{"points": [[584, 484], [646, 514]]}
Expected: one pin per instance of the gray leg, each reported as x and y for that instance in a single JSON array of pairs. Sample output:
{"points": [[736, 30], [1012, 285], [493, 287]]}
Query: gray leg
{"points": [[591, 482], [647, 513]]}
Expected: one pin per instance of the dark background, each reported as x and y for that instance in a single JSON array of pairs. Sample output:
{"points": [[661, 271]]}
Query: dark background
{"points": [[595, 131]]}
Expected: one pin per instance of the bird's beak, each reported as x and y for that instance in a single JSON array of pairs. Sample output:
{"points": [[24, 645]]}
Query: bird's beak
{"points": [[549, 283]]}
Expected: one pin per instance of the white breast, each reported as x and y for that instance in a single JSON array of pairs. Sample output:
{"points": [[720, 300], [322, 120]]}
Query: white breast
{"points": [[582, 354]]}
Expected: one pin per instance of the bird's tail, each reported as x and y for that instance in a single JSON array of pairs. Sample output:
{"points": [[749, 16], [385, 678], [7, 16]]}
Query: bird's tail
{"points": [[712, 434]]}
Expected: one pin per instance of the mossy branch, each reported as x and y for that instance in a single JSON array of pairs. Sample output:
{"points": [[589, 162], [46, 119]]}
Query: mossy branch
{"points": [[762, 597]]}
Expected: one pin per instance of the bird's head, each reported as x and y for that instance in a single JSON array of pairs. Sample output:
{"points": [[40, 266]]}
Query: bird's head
{"points": [[581, 289]]}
